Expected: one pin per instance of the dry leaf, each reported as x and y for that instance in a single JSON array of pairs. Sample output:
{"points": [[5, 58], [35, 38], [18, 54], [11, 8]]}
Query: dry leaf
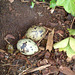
{"points": [[66, 70], [24, 0], [11, 1], [50, 41], [9, 36]]}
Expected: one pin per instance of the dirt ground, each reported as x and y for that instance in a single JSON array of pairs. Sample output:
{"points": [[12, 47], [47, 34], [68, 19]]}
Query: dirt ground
{"points": [[17, 17]]}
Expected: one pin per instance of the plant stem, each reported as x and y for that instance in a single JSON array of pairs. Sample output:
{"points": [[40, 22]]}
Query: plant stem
{"points": [[72, 23]]}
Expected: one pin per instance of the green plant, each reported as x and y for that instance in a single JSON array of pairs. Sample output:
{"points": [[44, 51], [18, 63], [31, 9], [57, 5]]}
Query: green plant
{"points": [[69, 5], [71, 31], [67, 45], [52, 4], [32, 4]]}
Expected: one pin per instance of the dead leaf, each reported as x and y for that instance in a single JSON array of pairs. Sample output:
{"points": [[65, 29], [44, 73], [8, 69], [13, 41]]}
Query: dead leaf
{"points": [[9, 36], [11, 1], [50, 41], [24, 0], [66, 70]]}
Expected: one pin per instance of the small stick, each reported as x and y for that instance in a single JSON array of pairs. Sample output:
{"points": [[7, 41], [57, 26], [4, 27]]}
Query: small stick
{"points": [[41, 48], [8, 65], [41, 2], [34, 69], [24, 1], [6, 40], [2, 51], [72, 23], [61, 35], [47, 28], [42, 38]]}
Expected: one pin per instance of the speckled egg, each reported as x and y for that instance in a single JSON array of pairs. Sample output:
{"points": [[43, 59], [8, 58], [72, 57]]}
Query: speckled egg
{"points": [[35, 33], [27, 46]]}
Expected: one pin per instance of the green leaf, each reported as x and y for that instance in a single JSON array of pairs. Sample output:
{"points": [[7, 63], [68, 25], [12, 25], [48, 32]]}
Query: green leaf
{"points": [[40, 0], [52, 4], [69, 51], [61, 44], [71, 31], [43, 0], [32, 4], [72, 43], [69, 5], [62, 49], [67, 45]]}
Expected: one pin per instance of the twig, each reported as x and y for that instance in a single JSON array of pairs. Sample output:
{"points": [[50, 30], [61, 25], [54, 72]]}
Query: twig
{"points": [[2, 51], [6, 40], [35, 69], [41, 48], [8, 65], [61, 35], [41, 2], [42, 38], [24, 1], [31, 67], [38, 55], [72, 23], [47, 28]]}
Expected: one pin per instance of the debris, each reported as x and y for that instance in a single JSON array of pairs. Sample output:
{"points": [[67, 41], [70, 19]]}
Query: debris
{"points": [[24, 0], [2, 51], [47, 55], [41, 48], [42, 38], [50, 41], [35, 69], [8, 36], [66, 70], [10, 48]]}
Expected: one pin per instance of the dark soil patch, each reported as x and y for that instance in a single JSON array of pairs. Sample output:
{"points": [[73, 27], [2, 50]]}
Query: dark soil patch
{"points": [[16, 18]]}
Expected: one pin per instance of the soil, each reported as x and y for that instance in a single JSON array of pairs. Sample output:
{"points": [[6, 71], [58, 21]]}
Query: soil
{"points": [[17, 17]]}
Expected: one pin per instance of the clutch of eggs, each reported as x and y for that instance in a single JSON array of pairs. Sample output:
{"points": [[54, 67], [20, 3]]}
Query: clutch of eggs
{"points": [[27, 46], [35, 33]]}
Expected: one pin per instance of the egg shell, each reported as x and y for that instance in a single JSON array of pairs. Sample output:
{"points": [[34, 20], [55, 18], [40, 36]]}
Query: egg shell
{"points": [[35, 33], [27, 46]]}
